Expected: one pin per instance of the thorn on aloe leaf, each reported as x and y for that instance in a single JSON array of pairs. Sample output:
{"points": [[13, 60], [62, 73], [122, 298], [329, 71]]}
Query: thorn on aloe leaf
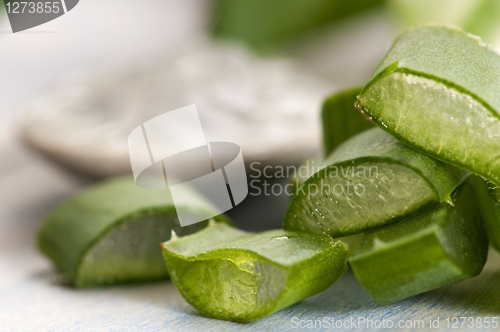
{"points": [[173, 236]]}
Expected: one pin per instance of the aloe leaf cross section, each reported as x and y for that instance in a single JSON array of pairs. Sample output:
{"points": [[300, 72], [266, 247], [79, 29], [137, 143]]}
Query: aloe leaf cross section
{"points": [[437, 90], [230, 274], [371, 180]]}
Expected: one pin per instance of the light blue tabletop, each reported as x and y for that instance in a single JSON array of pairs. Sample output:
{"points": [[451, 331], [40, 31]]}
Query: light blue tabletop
{"points": [[32, 300]]}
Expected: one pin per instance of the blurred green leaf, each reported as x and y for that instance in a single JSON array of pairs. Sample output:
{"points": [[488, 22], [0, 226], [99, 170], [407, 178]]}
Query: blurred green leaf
{"points": [[263, 24], [479, 17]]}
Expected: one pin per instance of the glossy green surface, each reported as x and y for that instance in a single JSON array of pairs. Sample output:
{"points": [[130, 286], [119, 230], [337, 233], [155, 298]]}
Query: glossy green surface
{"points": [[370, 180], [432, 249], [340, 119], [110, 233], [229, 274], [436, 90]]}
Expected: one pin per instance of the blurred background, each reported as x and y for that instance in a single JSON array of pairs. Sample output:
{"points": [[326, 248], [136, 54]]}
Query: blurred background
{"points": [[72, 90]]}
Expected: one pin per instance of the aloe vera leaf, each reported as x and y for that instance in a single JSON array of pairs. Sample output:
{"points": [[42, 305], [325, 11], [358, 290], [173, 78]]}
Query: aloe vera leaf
{"points": [[263, 24], [109, 233], [370, 180], [230, 274], [432, 249], [436, 90], [340, 119], [489, 202]]}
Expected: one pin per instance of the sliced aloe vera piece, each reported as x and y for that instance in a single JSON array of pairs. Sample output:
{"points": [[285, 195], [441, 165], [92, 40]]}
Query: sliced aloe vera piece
{"points": [[109, 233], [423, 252], [488, 197], [340, 119], [370, 180], [437, 91], [230, 274]]}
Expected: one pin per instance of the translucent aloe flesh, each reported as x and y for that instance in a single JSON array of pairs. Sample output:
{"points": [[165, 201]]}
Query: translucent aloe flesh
{"points": [[370, 180], [340, 119], [110, 233], [437, 91], [432, 249], [488, 196], [229, 274]]}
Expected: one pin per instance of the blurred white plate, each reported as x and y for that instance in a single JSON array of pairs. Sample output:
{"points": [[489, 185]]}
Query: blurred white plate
{"points": [[268, 107]]}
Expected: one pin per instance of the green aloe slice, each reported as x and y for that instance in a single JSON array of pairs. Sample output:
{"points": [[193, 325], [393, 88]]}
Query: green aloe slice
{"points": [[436, 90], [370, 180], [423, 252], [340, 119], [488, 196], [109, 233], [230, 274]]}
